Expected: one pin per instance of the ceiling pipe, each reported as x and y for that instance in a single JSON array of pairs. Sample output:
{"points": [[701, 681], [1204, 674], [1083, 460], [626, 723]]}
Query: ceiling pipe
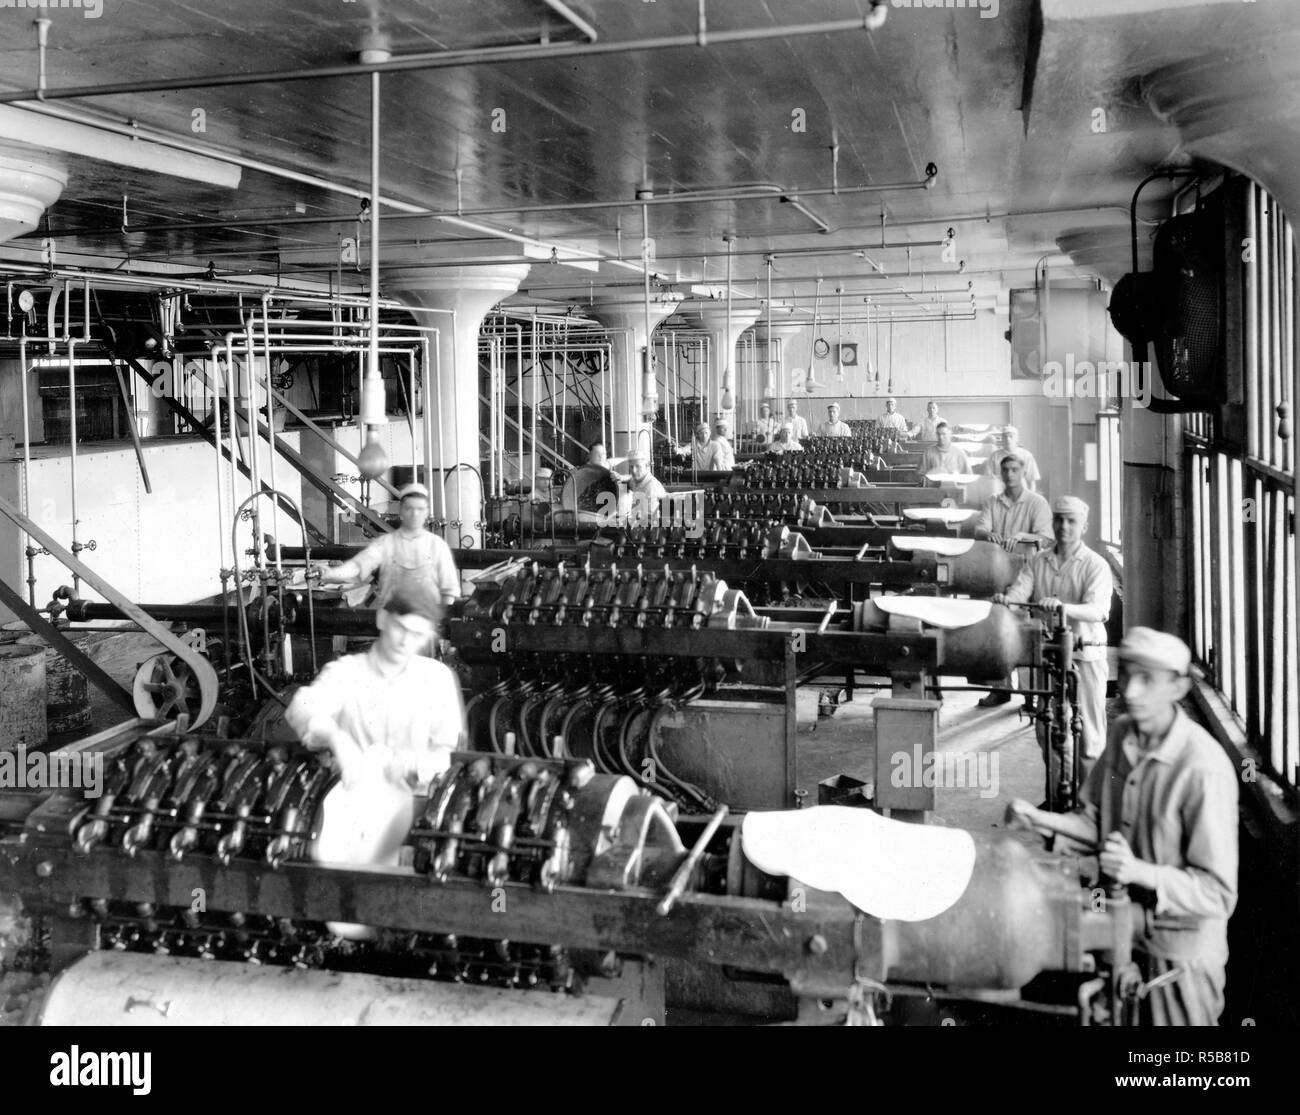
{"points": [[443, 59]]}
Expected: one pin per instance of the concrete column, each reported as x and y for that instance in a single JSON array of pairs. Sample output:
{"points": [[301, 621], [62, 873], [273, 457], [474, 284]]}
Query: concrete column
{"points": [[628, 406], [29, 184], [469, 292], [712, 317]]}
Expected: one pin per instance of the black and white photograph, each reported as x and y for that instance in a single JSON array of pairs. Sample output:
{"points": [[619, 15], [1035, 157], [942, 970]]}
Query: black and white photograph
{"points": [[648, 513]]}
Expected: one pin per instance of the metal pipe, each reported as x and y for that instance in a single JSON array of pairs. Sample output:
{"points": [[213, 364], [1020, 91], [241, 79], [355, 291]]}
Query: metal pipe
{"points": [[443, 59], [270, 423], [27, 464], [72, 453], [254, 437]]}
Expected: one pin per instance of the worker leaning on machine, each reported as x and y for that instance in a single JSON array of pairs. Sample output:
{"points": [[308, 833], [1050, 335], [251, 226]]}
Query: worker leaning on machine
{"points": [[1079, 578], [410, 557], [724, 456], [1164, 794]]}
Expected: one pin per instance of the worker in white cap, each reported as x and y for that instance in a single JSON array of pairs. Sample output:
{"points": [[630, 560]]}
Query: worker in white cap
{"points": [[1011, 447], [785, 440], [408, 557], [764, 427], [834, 426], [1072, 575], [724, 456], [797, 422], [1160, 808], [646, 491], [1015, 517], [702, 449], [891, 419]]}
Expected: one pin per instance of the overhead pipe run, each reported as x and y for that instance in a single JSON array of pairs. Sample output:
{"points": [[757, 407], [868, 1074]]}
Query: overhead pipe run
{"points": [[445, 59]]}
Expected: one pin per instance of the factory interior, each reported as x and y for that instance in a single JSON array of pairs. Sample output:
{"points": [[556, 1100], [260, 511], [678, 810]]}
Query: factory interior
{"points": [[657, 512]]}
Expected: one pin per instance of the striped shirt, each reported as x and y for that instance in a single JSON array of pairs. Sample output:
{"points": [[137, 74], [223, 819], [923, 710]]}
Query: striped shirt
{"points": [[1176, 804]]}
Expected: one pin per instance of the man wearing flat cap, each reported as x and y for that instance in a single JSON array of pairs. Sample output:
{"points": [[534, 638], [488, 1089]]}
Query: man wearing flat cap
{"points": [[764, 427], [834, 426], [1161, 808], [410, 557], [1079, 578]]}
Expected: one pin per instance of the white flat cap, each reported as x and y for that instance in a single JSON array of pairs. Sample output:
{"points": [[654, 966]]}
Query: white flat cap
{"points": [[413, 490], [1069, 505], [1156, 650]]}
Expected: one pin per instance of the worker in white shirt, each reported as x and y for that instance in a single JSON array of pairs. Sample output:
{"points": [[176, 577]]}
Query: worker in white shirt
{"points": [[724, 456], [943, 456], [797, 422], [409, 557], [833, 427], [1072, 575], [928, 429], [1016, 515], [891, 419], [702, 449], [764, 427], [646, 492], [785, 441], [1011, 447]]}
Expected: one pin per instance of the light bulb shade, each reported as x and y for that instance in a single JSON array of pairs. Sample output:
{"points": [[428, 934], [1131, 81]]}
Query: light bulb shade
{"points": [[374, 403], [728, 400], [372, 460], [769, 388]]}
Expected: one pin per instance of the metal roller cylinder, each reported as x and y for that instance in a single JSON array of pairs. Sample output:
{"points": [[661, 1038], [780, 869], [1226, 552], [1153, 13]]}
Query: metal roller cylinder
{"points": [[985, 651], [1016, 918], [983, 570]]}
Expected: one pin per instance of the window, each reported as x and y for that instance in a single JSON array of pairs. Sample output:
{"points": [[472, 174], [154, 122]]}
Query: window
{"points": [[1110, 475], [1241, 508]]}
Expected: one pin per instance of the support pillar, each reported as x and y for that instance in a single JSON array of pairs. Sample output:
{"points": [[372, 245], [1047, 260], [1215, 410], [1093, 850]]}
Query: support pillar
{"points": [[629, 427], [722, 353], [468, 292]]}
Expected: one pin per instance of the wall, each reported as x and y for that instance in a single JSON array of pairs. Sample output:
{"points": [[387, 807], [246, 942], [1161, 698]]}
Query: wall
{"points": [[157, 548]]}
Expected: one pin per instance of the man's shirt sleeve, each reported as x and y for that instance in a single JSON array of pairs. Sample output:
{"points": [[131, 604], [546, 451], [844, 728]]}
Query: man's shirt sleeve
{"points": [[1022, 588], [1207, 885], [314, 709]]}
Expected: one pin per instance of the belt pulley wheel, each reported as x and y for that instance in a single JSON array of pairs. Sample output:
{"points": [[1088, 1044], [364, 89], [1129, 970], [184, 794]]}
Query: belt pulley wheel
{"points": [[166, 686]]}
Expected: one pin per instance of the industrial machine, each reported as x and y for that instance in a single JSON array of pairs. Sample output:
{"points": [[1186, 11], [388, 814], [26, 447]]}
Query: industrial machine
{"points": [[527, 889]]}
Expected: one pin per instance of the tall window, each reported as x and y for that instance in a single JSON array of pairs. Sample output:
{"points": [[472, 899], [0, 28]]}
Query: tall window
{"points": [[1110, 475], [1242, 506]]}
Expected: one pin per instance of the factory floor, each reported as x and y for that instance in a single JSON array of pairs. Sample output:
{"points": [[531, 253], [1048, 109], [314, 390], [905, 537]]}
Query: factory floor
{"points": [[994, 748]]}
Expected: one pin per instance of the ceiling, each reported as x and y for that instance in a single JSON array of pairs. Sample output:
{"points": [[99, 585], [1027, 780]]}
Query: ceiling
{"points": [[1005, 100]]}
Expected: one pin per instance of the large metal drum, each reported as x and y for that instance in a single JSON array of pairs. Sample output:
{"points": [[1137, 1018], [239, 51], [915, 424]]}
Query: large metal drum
{"points": [[22, 696], [67, 695]]}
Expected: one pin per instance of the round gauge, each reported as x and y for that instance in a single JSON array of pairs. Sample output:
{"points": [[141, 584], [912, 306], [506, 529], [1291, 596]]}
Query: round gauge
{"points": [[821, 347], [26, 300]]}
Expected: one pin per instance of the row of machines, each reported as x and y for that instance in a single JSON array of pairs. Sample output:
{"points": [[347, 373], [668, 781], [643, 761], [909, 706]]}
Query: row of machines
{"points": [[530, 889]]}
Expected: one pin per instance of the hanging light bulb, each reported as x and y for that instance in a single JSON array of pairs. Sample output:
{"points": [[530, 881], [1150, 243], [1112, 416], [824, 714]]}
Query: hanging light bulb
{"points": [[372, 460]]}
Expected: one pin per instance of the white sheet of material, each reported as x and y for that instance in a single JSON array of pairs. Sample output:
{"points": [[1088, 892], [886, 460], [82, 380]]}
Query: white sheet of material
{"points": [[940, 514], [945, 547], [887, 869], [364, 826], [937, 611], [950, 479]]}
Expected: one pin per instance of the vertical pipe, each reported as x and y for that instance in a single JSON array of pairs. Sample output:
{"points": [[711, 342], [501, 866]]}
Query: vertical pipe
{"points": [[437, 403], [250, 412], [455, 397], [532, 468], [72, 449], [519, 400], [270, 427], [27, 454], [221, 494]]}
